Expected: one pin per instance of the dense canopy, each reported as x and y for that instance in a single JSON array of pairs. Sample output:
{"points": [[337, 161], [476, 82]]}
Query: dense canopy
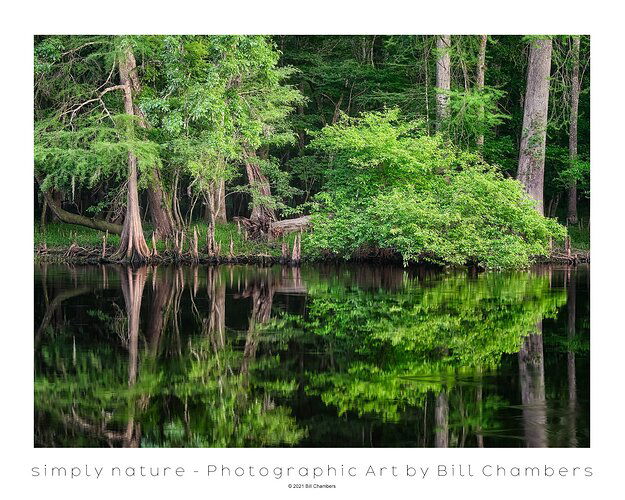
{"points": [[403, 147]]}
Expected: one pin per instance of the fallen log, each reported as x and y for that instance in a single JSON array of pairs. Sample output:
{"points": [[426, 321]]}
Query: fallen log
{"points": [[287, 226], [79, 220], [277, 229]]}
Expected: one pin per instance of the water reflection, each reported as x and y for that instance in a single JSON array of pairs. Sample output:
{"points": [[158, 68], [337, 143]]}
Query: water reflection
{"points": [[330, 355]]}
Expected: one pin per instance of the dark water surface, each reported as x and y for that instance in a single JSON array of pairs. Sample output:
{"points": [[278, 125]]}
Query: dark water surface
{"points": [[325, 355]]}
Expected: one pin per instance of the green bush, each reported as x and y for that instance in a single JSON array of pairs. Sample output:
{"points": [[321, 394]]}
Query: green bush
{"points": [[392, 187]]}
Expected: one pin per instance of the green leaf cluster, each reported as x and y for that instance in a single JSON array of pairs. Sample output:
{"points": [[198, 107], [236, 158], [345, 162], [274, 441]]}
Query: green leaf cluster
{"points": [[390, 187]]}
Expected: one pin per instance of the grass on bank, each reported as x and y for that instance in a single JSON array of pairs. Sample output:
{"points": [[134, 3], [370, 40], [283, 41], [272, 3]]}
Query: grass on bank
{"points": [[58, 235]]}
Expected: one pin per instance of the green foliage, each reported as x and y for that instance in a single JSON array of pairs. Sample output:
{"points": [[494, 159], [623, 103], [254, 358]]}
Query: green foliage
{"points": [[473, 113], [209, 103], [391, 187], [215, 99], [580, 236], [213, 103]]}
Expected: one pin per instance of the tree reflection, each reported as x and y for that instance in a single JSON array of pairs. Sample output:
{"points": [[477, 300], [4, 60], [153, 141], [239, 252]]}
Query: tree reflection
{"points": [[242, 356]]}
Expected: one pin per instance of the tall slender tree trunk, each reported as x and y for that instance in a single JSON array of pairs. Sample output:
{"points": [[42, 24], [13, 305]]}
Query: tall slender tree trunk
{"points": [[531, 171], [216, 208], [132, 246], [481, 78], [443, 79], [575, 88], [426, 77], [159, 208]]}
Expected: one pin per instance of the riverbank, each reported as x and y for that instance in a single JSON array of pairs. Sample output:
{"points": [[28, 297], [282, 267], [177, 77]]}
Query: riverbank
{"points": [[79, 245]]}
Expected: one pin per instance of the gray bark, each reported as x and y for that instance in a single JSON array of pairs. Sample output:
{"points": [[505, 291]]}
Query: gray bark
{"points": [[481, 78], [217, 203], [531, 171], [263, 215], [286, 226], [575, 88], [443, 79]]}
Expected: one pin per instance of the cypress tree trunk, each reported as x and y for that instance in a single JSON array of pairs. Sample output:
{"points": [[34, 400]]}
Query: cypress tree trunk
{"points": [[132, 246], [572, 205], [481, 77], [262, 215], [443, 78], [531, 171], [160, 213]]}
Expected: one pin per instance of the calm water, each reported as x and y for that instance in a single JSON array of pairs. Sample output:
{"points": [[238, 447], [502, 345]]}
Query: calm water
{"points": [[329, 355]]}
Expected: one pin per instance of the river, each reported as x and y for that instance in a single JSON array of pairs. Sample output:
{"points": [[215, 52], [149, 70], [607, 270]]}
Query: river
{"points": [[328, 355]]}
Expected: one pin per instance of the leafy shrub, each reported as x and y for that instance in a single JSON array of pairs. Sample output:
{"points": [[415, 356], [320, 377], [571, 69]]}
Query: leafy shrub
{"points": [[392, 187]]}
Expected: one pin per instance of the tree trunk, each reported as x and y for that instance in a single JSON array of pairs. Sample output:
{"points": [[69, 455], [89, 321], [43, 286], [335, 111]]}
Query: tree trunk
{"points": [[263, 215], [443, 79], [160, 212], [575, 88], [481, 78], [531, 171], [217, 205], [132, 246]]}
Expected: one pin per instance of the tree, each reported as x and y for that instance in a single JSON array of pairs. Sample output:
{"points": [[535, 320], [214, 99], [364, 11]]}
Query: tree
{"points": [[84, 132], [220, 102], [531, 169], [481, 75], [575, 88], [132, 246], [443, 79]]}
